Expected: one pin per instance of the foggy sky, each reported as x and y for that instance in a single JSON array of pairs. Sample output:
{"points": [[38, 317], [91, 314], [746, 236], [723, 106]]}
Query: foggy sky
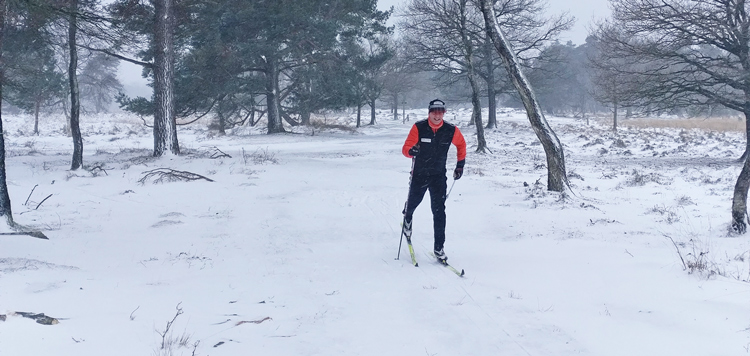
{"points": [[583, 10]]}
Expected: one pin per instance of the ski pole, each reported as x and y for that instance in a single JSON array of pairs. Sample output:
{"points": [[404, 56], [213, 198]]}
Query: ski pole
{"points": [[449, 191], [406, 205]]}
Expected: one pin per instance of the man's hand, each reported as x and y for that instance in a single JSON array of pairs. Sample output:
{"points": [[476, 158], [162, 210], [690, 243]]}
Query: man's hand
{"points": [[459, 171], [414, 151]]}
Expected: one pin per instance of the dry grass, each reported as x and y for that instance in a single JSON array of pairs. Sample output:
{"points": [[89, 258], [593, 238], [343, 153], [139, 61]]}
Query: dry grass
{"points": [[726, 124]]}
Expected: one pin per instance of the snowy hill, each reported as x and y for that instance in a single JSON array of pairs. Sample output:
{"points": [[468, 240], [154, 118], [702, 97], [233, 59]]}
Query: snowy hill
{"points": [[290, 249]]}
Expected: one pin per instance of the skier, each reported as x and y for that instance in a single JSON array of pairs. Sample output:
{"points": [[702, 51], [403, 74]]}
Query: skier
{"points": [[427, 144]]}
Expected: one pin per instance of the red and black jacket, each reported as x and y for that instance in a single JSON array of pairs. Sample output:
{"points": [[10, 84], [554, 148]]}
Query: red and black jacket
{"points": [[434, 143]]}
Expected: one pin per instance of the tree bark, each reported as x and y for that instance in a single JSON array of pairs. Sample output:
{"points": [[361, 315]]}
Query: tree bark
{"points": [[5, 210], [272, 97], [491, 93], [395, 106], [222, 123], [476, 113], [75, 102], [304, 117], [220, 115], [739, 199], [359, 114], [165, 128], [557, 179], [372, 112], [36, 117]]}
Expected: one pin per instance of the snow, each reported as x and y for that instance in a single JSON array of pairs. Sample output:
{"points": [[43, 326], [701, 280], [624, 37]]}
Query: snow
{"points": [[303, 229]]}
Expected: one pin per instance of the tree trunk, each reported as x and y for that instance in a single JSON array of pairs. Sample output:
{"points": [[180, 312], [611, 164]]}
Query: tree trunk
{"points": [[359, 114], [372, 112], [304, 117], [491, 94], [5, 210], [304, 114], [395, 106], [614, 116], [476, 112], [557, 179], [165, 128], [75, 103], [222, 122], [36, 116], [272, 97], [739, 199]]}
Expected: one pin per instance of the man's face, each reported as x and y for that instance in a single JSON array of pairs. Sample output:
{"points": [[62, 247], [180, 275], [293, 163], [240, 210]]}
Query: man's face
{"points": [[436, 116]]}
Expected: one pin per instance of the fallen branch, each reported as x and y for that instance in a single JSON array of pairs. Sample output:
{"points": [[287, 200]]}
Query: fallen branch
{"points": [[219, 154], [161, 175], [29, 197], [95, 169], [43, 200], [252, 321]]}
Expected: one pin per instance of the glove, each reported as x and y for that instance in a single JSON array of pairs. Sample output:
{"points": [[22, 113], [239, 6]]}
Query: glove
{"points": [[414, 151], [459, 171]]}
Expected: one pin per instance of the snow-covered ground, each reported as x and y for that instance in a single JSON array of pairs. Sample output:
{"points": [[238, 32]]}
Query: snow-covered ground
{"points": [[290, 250]]}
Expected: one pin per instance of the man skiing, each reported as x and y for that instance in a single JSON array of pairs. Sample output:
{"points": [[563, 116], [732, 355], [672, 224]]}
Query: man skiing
{"points": [[427, 144]]}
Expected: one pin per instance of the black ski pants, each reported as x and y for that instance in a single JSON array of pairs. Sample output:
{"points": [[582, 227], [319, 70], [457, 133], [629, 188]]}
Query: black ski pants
{"points": [[437, 185]]}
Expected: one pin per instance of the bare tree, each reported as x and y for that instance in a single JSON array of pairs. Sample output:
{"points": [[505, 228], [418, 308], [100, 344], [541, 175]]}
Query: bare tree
{"points": [[441, 35], [529, 31], [441, 32], [557, 179], [398, 77], [612, 82], [687, 53]]}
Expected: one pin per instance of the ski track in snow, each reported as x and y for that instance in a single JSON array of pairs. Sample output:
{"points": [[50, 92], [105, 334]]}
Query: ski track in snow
{"points": [[303, 229]]}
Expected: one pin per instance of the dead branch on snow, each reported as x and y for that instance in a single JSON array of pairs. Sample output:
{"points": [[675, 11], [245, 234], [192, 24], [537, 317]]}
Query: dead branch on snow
{"points": [[161, 175]]}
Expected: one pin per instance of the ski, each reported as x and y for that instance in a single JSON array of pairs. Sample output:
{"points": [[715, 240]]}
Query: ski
{"points": [[411, 248], [411, 252], [445, 263]]}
